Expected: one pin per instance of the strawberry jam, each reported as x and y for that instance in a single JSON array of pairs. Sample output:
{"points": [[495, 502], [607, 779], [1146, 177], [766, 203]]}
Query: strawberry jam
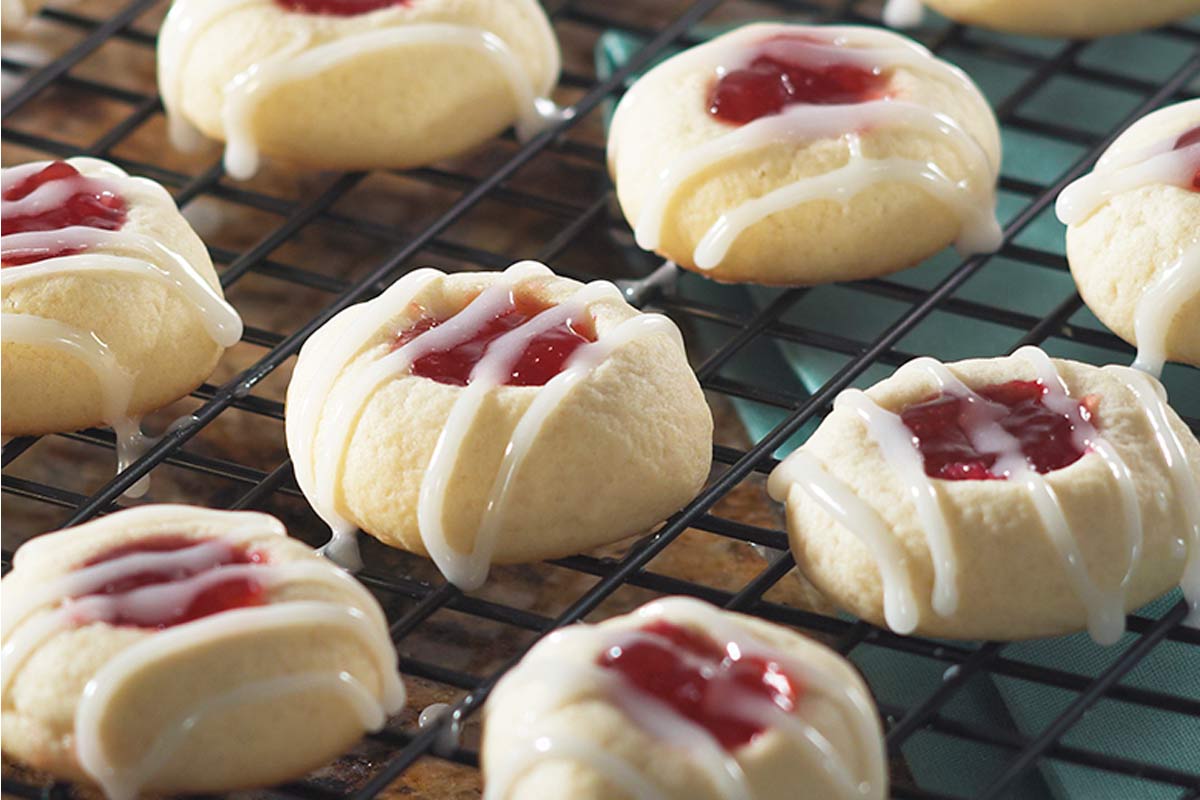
{"points": [[788, 70], [338, 8], [84, 202], [1046, 437], [1186, 139], [702, 680], [190, 558], [543, 358]]}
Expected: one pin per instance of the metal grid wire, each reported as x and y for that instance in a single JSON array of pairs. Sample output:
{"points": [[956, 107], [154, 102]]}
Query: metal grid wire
{"points": [[571, 228]]}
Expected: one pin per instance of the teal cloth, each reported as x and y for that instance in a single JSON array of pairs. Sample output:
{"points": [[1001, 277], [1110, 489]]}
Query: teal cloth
{"points": [[939, 762]]}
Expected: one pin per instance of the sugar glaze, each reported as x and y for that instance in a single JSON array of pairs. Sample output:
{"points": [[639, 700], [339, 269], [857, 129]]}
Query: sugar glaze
{"points": [[323, 417], [1105, 604]]}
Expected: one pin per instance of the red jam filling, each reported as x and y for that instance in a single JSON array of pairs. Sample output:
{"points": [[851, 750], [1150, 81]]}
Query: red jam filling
{"points": [[1189, 138], [543, 358], [940, 426], [234, 592], [786, 71], [338, 8], [702, 680], [90, 205]]}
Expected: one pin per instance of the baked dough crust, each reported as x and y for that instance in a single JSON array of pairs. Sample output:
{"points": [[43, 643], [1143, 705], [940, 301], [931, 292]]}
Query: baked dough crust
{"points": [[153, 330], [386, 106], [630, 444], [254, 741], [533, 702], [1119, 250], [1077, 19], [664, 117], [1011, 580]]}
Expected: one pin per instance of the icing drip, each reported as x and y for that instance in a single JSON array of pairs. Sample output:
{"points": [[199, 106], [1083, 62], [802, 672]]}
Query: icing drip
{"points": [[1105, 606], [896, 445], [567, 666], [1172, 161], [146, 258], [327, 415], [447, 740], [972, 198], [125, 783], [1153, 398], [1160, 304], [301, 59], [899, 448], [116, 384], [143, 585], [81, 194], [903, 13], [615, 770], [469, 571], [800, 469], [430, 714], [337, 343]]}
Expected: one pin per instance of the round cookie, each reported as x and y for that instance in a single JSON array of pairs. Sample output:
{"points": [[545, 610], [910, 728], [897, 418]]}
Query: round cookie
{"points": [[681, 700], [1133, 236], [1003, 498], [172, 649], [111, 304], [1077, 19], [784, 154], [354, 84], [496, 417]]}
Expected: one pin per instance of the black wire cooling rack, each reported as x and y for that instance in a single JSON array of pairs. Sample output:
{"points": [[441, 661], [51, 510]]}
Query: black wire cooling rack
{"points": [[578, 231]]}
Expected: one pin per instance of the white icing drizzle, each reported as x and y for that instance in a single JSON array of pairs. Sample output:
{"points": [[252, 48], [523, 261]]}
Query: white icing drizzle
{"points": [[1124, 168], [156, 262], [1105, 606], [840, 502], [564, 747], [972, 198], [1160, 304], [299, 59], [116, 384], [328, 408], [322, 360], [1153, 398], [431, 714], [125, 783], [903, 13], [447, 740], [563, 668], [64, 603], [101, 251], [898, 447], [469, 570]]}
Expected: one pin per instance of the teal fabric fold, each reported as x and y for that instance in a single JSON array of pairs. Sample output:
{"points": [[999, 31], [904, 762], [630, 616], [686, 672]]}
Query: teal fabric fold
{"points": [[941, 762]]}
